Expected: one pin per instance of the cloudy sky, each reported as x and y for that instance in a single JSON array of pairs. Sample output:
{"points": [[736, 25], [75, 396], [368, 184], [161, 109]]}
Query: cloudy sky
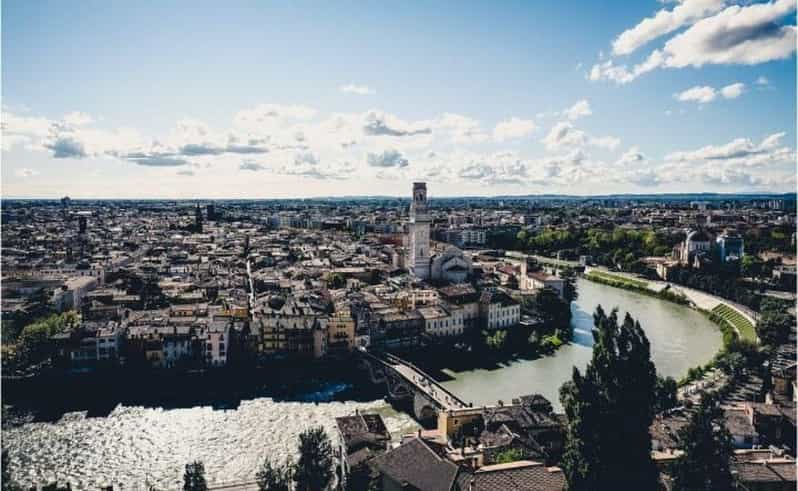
{"points": [[281, 99]]}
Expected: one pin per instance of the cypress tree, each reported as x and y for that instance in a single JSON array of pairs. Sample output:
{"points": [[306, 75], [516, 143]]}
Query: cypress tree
{"points": [[707, 447], [610, 409]]}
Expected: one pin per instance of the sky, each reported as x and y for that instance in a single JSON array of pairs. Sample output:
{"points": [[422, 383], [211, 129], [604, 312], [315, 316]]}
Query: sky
{"points": [[233, 99]]}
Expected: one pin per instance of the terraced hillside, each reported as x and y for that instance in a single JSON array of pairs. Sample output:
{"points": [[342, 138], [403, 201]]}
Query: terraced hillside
{"points": [[736, 320]]}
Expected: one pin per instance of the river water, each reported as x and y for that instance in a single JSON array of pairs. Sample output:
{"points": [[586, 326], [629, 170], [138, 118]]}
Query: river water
{"points": [[680, 338], [133, 447]]}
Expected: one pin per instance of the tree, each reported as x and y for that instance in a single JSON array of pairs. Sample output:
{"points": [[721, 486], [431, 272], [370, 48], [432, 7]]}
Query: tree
{"points": [[314, 471], [33, 344], [194, 477], [336, 281], [707, 447], [609, 410], [496, 341], [665, 394], [552, 310], [569, 287], [509, 455], [273, 477], [775, 322], [7, 483]]}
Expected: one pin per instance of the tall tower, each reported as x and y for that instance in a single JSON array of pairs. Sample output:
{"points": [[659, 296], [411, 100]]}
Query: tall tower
{"points": [[198, 219], [419, 262]]}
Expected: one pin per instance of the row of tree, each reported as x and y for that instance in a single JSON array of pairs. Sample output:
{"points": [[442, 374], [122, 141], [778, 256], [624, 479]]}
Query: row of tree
{"points": [[610, 408], [33, 345]]}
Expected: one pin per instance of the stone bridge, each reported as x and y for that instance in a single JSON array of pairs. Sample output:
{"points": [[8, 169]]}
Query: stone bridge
{"points": [[405, 381]]}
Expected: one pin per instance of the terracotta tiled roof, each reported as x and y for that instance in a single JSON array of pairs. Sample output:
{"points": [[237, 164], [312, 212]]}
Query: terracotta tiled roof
{"points": [[414, 464], [521, 476]]}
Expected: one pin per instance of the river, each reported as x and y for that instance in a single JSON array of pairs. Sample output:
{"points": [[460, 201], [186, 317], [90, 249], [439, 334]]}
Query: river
{"points": [[680, 338], [135, 446]]}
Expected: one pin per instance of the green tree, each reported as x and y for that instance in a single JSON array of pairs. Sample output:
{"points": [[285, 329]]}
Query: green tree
{"points": [[194, 477], [314, 470], [509, 455], [552, 310], [609, 410], [569, 288], [496, 341], [665, 394], [751, 265], [8, 483], [336, 281], [33, 344], [707, 448], [775, 322], [273, 477]]}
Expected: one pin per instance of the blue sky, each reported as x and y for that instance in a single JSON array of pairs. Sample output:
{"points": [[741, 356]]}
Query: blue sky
{"points": [[260, 100]]}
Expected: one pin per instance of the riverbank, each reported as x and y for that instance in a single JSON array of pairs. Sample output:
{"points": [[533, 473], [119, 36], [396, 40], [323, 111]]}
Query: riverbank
{"points": [[680, 338], [740, 318], [733, 322], [638, 286]]}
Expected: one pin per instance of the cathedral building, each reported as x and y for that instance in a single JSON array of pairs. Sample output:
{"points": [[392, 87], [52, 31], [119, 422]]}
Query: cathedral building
{"points": [[449, 264]]}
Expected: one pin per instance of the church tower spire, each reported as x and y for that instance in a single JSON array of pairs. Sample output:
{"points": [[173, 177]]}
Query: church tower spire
{"points": [[419, 263]]}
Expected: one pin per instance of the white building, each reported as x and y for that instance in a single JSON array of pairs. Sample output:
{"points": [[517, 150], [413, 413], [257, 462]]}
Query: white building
{"points": [[536, 280], [217, 341], [696, 242], [475, 236], [498, 310], [451, 266], [70, 296], [440, 321], [109, 341]]}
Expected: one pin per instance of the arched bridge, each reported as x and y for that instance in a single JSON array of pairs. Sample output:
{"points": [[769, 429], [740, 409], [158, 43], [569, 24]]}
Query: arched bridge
{"points": [[405, 380]]}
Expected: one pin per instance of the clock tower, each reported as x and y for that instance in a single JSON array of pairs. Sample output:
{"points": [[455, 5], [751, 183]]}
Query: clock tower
{"points": [[419, 263]]}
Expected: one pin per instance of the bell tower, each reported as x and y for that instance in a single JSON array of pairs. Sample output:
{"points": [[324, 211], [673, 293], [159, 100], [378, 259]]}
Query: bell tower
{"points": [[419, 263]]}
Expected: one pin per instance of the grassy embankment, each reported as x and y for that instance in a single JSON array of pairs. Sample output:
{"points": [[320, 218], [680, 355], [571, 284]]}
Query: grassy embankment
{"points": [[639, 286]]}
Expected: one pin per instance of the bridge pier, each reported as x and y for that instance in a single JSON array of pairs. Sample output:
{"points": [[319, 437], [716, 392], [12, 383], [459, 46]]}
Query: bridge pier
{"points": [[423, 408], [406, 382]]}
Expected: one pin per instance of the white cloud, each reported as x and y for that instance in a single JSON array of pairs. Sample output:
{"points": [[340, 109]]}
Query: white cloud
{"points": [[733, 91], [633, 156], [514, 128], [564, 135], [702, 94], [356, 89], [740, 151], [578, 110], [664, 22], [741, 35], [762, 81], [26, 172], [78, 118], [461, 129], [251, 166], [745, 35], [606, 142], [378, 123], [388, 158]]}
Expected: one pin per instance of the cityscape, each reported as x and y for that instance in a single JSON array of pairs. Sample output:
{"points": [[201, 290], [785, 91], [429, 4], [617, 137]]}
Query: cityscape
{"points": [[323, 295]]}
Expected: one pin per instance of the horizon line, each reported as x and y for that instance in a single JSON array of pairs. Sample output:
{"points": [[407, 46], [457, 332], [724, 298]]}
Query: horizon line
{"points": [[406, 196]]}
